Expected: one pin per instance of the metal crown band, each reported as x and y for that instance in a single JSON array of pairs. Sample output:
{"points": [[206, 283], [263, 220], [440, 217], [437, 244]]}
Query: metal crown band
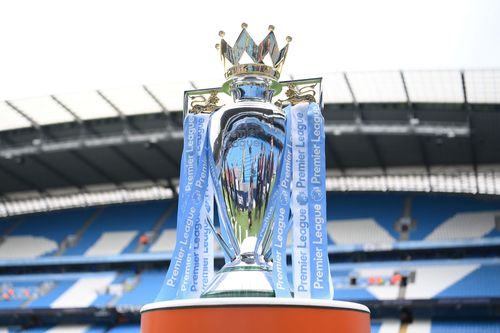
{"points": [[267, 49], [246, 69]]}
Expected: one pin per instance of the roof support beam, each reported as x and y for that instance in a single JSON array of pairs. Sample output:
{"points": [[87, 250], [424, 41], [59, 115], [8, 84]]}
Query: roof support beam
{"points": [[335, 155], [120, 113], [46, 166], [96, 168], [359, 119], [166, 112], [470, 121], [378, 155], [357, 115], [33, 123], [21, 180], [70, 181], [144, 173], [411, 113], [172, 161], [78, 120]]}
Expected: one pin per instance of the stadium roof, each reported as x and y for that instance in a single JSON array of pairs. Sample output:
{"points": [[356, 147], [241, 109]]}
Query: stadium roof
{"points": [[401, 131], [445, 86]]}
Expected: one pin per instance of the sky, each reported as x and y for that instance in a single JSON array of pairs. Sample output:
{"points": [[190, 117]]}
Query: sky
{"points": [[60, 46]]}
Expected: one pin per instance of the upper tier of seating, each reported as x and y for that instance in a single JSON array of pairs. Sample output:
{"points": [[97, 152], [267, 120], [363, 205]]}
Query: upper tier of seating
{"points": [[100, 231], [454, 217], [386, 218], [149, 227], [117, 228]]}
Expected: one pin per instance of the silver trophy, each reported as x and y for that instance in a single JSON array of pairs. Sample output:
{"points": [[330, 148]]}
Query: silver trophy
{"points": [[247, 137]]}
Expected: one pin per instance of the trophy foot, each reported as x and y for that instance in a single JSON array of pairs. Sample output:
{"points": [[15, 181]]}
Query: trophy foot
{"points": [[243, 277]]}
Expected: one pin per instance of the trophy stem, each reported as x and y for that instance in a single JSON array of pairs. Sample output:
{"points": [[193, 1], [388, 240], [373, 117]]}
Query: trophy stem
{"points": [[246, 276]]}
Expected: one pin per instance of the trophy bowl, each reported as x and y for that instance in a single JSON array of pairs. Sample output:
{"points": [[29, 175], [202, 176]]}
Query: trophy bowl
{"points": [[247, 140]]}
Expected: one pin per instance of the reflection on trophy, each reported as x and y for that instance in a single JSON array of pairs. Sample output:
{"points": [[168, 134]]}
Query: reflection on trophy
{"points": [[247, 140]]}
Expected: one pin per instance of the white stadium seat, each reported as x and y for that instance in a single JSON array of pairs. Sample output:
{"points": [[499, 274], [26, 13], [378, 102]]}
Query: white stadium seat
{"points": [[165, 242], [419, 326], [111, 243], [69, 329], [390, 326], [358, 231], [465, 226], [26, 247], [83, 292], [431, 280]]}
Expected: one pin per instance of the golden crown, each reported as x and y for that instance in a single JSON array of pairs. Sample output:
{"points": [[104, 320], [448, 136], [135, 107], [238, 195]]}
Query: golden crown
{"points": [[231, 56]]}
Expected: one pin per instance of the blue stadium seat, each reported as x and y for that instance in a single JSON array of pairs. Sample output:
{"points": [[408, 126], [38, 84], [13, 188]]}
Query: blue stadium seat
{"points": [[5, 224], [353, 294], [102, 300], [46, 300], [18, 298], [138, 217], [375, 326], [97, 329], [439, 326], [36, 330], [430, 211], [53, 225], [483, 282], [386, 209], [170, 223], [11, 304], [146, 290], [125, 329]]}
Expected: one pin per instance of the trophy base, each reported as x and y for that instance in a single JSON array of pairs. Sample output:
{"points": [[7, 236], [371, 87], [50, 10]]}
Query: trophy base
{"points": [[243, 277], [254, 314]]}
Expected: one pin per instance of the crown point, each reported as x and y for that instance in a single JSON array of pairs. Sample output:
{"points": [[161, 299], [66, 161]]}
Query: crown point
{"points": [[288, 39], [222, 33], [271, 28], [244, 26]]}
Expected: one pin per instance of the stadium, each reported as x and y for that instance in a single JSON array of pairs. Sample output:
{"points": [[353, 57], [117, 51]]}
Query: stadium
{"points": [[89, 183]]}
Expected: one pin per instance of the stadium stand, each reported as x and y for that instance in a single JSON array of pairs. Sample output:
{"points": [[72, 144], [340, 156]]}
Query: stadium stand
{"points": [[125, 329], [66, 329], [453, 217], [372, 218], [385, 326], [354, 219], [377, 212], [143, 289], [435, 326], [482, 282], [165, 241], [440, 326], [117, 229], [149, 227], [30, 237]]}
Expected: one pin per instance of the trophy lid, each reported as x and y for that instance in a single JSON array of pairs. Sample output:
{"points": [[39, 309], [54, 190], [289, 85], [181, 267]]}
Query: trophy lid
{"points": [[267, 51]]}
